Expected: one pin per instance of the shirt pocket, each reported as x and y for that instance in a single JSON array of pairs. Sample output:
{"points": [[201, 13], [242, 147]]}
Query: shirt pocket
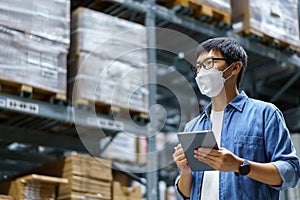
{"points": [[249, 146], [249, 141]]}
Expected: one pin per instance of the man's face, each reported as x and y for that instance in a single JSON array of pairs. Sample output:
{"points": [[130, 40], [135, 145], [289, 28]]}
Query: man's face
{"points": [[212, 59]]}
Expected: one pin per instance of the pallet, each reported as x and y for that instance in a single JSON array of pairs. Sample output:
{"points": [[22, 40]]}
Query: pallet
{"points": [[268, 40], [203, 11], [111, 110], [30, 92], [6, 197]]}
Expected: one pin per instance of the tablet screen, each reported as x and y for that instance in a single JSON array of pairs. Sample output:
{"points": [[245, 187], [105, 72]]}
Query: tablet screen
{"points": [[193, 140]]}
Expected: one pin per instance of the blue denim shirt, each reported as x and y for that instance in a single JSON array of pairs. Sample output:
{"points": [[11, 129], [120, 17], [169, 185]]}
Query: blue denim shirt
{"points": [[256, 131]]}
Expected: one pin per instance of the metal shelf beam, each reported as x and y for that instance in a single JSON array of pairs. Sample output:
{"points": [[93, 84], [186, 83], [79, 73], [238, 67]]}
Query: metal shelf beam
{"points": [[5, 166], [23, 135], [22, 156], [33, 107], [65, 114]]}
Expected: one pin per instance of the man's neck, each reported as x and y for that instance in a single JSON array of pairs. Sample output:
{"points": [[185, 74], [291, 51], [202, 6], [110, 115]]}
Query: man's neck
{"points": [[220, 102]]}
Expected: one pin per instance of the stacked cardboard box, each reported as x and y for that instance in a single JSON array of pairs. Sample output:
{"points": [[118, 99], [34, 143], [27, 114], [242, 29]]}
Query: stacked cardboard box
{"points": [[89, 178], [6, 197], [34, 42], [124, 193], [271, 18], [35, 187], [108, 61]]}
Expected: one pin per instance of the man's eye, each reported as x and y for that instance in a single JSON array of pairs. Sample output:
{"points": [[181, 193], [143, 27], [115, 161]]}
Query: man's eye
{"points": [[209, 62]]}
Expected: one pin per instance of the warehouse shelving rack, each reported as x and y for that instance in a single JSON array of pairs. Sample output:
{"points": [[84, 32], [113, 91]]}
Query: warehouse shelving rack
{"points": [[29, 121]]}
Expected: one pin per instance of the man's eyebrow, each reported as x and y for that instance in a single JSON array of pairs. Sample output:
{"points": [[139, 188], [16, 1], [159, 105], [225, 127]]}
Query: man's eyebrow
{"points": [[198, 62]]}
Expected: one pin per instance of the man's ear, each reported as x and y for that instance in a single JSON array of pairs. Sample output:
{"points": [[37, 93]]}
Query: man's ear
{"points": [[237, 68]]}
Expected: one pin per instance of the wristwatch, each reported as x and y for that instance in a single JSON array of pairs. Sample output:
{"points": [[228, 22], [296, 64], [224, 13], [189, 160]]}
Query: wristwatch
{"points": [[244, 168]]}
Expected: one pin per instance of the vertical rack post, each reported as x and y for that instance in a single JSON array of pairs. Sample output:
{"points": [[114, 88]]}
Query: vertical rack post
{"points": [[152, 175]]}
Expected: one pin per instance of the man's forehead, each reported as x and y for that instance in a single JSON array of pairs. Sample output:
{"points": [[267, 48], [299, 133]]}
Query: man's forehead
{"points": [[208, 54]]}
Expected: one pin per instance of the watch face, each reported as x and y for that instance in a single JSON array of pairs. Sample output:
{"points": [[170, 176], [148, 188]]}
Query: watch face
{"points": [[244, 168]]}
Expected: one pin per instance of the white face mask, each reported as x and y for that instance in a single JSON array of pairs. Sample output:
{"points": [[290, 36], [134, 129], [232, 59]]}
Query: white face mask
{"points": [[211, 82]]}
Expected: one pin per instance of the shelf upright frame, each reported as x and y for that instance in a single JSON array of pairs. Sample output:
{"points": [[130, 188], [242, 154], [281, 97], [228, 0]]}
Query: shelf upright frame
{"points": [[151, 175]]}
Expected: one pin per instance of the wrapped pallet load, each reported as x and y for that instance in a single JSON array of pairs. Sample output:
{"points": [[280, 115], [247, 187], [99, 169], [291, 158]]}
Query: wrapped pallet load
{"points": [[34, 42], [32, 61], [108, 61], [49, 19], [275, 19]]}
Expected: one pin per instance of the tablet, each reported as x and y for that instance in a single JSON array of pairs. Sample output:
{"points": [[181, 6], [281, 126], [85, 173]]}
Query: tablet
{"points": [[193, 140]]}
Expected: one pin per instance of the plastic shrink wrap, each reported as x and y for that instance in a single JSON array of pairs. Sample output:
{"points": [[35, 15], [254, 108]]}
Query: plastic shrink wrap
{"points": [[278, 19], [30, 60], [108, 61], [49, 19]]}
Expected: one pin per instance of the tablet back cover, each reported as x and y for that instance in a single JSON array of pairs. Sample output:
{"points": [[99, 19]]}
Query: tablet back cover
{"points": [[193, 140]]}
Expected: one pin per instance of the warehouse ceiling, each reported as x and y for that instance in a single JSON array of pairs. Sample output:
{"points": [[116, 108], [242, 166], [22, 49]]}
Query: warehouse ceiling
{"points": [[34, 140]]}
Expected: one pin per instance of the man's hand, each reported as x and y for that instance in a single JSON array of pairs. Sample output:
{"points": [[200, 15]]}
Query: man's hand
{"points": [[180, 160], [185, 179], [222, 159]]}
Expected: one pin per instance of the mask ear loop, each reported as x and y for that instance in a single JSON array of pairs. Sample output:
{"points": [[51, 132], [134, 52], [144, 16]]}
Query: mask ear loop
{"points": [[226, 70]]}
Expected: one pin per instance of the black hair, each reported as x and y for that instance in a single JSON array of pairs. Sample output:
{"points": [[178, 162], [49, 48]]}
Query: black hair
{"points": [[230, 49]]}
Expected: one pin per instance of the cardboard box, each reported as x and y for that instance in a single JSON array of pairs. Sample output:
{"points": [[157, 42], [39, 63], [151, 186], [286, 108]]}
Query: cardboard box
{"points": [[80, 165], [86, 185], [88, 176], [122, 178], [35, 187], [272, 18], [125, 193], [81, 196], [87, 166], [6, 197]]}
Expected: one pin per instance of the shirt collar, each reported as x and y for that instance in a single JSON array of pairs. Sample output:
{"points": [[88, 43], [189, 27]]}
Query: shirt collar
{"points": [[238, 103]]}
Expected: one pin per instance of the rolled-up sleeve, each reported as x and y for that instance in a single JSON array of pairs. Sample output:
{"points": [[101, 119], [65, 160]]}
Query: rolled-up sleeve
{"points": [[289, 173], [281, 151]]}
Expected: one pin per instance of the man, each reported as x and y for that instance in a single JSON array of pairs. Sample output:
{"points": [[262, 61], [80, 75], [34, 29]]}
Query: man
{"points": [[256, 158]]}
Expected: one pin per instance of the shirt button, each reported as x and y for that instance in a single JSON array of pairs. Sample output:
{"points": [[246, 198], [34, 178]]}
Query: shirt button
{"points": [[198, 191]]}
